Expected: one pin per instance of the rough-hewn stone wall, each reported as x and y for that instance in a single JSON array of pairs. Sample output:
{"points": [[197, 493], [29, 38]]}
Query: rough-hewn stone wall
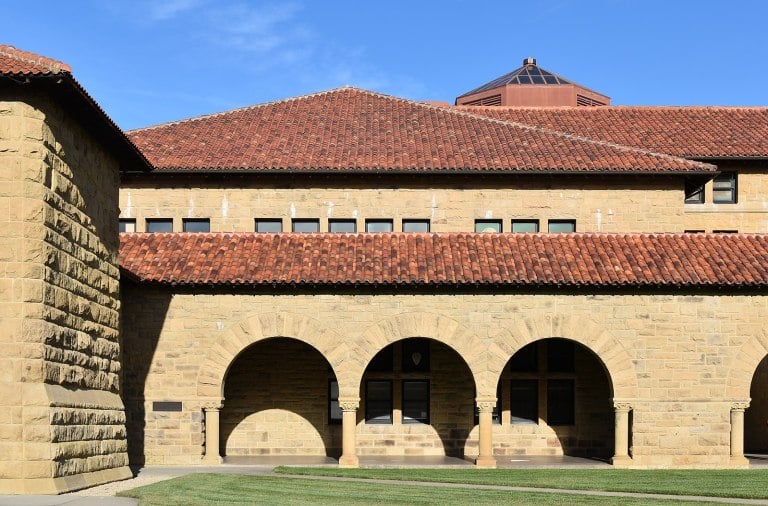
{"points": [[681, 361], [60, 303], [626, 204]]}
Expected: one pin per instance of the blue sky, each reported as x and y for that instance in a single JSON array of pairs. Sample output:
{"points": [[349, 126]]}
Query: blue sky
{"points": [[151, 61]]}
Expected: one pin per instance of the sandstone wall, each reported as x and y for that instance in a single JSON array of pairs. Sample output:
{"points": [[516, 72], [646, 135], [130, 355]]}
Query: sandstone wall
{"points": [[63, 427], [681, 361], [626, 204]]}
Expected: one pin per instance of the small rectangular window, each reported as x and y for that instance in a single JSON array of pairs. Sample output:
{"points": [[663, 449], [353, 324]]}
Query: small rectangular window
{"points": [[488, 226], [562, 226], [167, 406], [560, 355], [196, 225], [694, 193], [526, 359], [524, 401], [525, 226], [269, 225], [415, 225], [378, 225], [415, 353], [127, 225], [159, 225], [416, 401], [694, 231], [334, 410], [724, 188], [383, 361], [342, 225], [305, 225], [561, 402], [378, 401], [725, 231]]}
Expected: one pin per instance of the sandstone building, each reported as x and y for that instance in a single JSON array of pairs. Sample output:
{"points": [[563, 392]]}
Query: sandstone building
{"points": [[350, 274]]}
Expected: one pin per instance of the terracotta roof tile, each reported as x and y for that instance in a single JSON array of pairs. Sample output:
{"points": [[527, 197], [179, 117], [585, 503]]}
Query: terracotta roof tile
{"points": [[448, 259], [353, 130], [691, 132], [17, 62]]}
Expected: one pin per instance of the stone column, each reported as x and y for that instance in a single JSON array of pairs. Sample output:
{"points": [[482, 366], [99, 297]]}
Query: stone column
{"points": [[485, 454], [349, 432], [212, 453], [737, 434], [621, 434]]}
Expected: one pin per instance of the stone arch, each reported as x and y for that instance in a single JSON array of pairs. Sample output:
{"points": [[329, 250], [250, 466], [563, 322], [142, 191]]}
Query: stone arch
{"points": [[744, 365], [406, 325], [219, 358], [523, 331]]}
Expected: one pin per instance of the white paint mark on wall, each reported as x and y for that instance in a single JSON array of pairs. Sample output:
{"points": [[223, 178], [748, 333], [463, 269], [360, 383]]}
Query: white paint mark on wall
{"points": [[293, 210], [488, 215], [224, 207], [434, 206], [599, 219], [191, 207], [329, 212], [219, 325], [354, 214], [128, 206]]}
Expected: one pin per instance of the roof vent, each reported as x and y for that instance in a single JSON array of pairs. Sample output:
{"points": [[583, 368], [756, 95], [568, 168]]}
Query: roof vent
{"points": [[529, 61]]}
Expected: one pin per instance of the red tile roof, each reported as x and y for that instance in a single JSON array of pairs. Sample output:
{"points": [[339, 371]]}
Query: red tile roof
{"points": [[447, 260], [353, 130], [17, 62], [691, 132]]}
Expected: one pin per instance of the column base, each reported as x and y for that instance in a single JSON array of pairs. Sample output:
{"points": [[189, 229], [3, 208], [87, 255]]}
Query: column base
{"points": [[621, 461], [739, 462], [349, 461], [213, 460], [485, 462]]}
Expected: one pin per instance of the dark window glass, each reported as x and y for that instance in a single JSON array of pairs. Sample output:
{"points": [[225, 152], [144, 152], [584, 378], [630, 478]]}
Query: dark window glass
{"points": [[383, 361], [416, 355], [694, 193], [378, 401], [378, 225], [159, 225], [487, 225], [524, 401], [127, 225], [196, 225], [560, 226], [725, 231], [334, 411], [415, 401], [560, 355], [272, 225], [339, 225], [694, 231], [560, 402], [526, 359], [724, 188], [307, 225], [415, 225], [525, 226]]}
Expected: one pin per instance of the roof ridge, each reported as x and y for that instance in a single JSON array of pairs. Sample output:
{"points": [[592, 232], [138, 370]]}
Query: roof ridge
{"points": [[610, 107], [246, 108], [54, 66]]}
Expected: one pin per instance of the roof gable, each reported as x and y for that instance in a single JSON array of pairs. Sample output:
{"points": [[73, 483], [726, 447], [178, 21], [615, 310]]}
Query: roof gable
{"points": [[17, 62], [354, 130]]}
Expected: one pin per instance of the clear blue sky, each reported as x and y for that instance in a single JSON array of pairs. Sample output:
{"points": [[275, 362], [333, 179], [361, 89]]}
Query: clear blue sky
{"points": [[151, 61]]}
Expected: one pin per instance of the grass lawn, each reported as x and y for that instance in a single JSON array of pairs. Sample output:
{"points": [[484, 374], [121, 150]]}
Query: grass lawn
{"points": [[209, 489], [751, 484]]}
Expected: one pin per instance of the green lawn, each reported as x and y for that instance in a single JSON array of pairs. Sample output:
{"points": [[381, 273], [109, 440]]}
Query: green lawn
{"points": [[209, 489], [751, 484]]}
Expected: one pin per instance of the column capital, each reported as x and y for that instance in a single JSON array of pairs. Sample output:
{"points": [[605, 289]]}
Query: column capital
{"points": [[485, 404], [349, 403], [212, 406], [622, 405], [740, 405]]}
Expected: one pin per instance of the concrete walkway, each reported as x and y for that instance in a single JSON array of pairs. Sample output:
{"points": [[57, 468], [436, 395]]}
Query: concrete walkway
{"points": [[104, 495]]}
